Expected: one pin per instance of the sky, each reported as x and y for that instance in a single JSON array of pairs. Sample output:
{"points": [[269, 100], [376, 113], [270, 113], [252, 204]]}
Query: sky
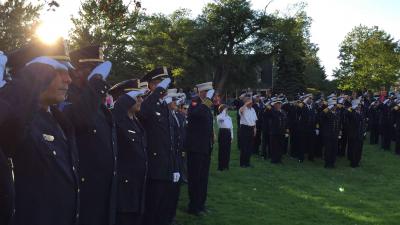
{"points": [[332, 19]]}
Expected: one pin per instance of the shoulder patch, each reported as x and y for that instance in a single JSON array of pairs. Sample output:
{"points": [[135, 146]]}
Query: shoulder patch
{"points": [[194, 103]]}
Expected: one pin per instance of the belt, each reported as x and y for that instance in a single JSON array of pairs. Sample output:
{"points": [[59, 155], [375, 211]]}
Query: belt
{"points": [[246, 126]]}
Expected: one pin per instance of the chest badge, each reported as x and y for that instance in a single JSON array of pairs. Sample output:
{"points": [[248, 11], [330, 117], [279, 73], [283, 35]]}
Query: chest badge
{"points": [[48, 137], [132, 131]]}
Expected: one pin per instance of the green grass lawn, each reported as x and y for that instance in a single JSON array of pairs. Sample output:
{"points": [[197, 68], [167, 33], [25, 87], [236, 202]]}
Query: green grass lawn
{"points": [[308, 194]]}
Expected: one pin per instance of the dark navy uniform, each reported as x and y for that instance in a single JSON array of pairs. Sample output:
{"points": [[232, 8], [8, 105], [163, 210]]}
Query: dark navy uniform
{"points": [[307, 124], [330, 125], [265, 148], [386, 124], [6, 191], [343, 142], [157, 121], [277, 130], [259, 108], [132, 164], [356, 128], [42, 146], [199, 141], [96, 140]]}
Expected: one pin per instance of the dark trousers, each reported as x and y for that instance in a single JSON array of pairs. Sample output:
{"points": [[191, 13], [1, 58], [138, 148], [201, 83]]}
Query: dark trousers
{"points": [[306, 146], [331, 148], [386, 138], [198, 169], [7, 193], [129, 219], [246, 140], [397, 150], [265, 145], [343, 145], [257, 142], [277, 144], [355, 151], [374, 135], [224, 148], [158, 202], [176, 191], [318, 146], [294, 145]]}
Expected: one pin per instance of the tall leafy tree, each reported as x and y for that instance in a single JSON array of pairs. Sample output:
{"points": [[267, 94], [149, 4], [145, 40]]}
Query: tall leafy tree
{"points": [[113, 25], [369, 59], [18, 20]]}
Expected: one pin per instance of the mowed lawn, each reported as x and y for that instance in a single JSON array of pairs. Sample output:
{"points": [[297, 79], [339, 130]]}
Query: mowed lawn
{"points": [[308, 194]]}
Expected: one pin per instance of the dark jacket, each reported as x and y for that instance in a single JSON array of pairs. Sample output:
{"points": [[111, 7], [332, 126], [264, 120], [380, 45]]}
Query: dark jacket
{"points": [[156, 119], [132, 158], [6, 191], [277, 123], [330, 124], [356, 124], [43, 149], [307, 120], [200, 134], [96, 141], [180, 136]]}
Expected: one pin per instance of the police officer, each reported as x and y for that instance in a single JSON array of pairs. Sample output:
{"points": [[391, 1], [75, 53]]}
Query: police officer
{"points": [[373, 122], [259, 108], [307, 121], [355, 120], [331, 132], [132, 153], [6, 181], [95, 135], [278, 130], [265, 147], [163, 171], [386, 124], [174, 99], [200, 138], [38, 138], [396, 119]]}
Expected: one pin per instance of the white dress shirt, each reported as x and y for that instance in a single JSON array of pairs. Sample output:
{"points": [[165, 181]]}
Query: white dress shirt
{"points": [[248, 117], [225, 121]]}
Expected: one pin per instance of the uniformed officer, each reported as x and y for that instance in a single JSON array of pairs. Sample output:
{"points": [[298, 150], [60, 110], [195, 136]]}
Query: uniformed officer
{"points": [[6, 181], [95, 135], [259, 108], [373, 122], [355, 121], [396, 119], [248, 130], [265, 148], [38, 138], [199, 139], [331, 132], [278, 130], [173, 100], [225, 137], [132, 153], [163, 171], [386, 124], [342, 112], [307, 122]]}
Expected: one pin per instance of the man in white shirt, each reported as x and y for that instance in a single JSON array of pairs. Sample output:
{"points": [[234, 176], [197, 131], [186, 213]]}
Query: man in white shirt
{"points": [[248, 118], [225, 137]]}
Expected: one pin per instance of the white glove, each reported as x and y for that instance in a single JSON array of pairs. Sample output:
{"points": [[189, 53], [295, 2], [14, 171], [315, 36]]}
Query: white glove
{"points": [[164, 83], [365, 134], [210, 93], [103, 70], [317, 132], [176, 177], [286, 135]]}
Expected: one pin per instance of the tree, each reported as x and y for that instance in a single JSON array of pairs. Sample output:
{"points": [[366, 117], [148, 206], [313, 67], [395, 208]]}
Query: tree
{"points": [[112, 24], [18, 20], [369, 60]]}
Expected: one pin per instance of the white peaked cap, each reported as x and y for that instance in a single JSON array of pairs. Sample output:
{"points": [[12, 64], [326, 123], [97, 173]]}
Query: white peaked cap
{"points": [[48, 61], [205, 86]]}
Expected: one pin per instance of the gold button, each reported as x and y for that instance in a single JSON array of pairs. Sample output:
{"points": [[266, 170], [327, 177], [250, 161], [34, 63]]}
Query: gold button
{"points": [[94, 131], [54, 153], [79, 190], [126, 181], [155, 153], [73, 168], [102, 91], [133, 139], [83, 179]]}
